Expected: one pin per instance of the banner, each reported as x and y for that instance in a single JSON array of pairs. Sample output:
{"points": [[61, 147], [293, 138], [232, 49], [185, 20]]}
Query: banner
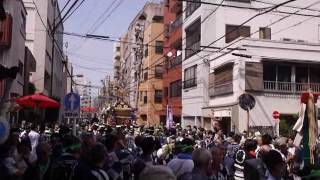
{"points": [[169, 117]]}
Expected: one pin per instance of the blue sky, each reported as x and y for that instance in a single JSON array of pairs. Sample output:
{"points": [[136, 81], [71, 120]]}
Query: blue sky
{"points": [[94, 54]]}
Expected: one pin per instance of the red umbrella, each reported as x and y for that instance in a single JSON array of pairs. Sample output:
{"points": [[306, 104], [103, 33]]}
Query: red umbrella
{"points": [[37, 101]]}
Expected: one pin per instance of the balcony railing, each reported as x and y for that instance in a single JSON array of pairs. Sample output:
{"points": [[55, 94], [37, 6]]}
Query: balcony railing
{"points": [[176, 24], [193, 49], [289, 87], [190, 83], [174, 62], [221, 89]]}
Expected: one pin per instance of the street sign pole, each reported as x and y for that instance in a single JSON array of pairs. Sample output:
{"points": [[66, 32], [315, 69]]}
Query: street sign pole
{"points": [[74, 123], [72, 109], [248, 121]]}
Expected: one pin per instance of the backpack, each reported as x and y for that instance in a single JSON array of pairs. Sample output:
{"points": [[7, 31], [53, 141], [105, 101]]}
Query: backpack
{"points": [[63, 169]]}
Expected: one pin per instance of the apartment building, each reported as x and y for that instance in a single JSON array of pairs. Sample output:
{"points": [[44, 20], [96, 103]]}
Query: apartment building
{"points": [[44, 17], [273, 57], [172, 74], [150, 87], [132, 53]]}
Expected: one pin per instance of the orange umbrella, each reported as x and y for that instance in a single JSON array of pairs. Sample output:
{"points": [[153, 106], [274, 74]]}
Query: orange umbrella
{"points": [[37, 101]]}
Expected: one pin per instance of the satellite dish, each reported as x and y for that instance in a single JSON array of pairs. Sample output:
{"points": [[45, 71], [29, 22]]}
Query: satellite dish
{"points": [[247, 102]]}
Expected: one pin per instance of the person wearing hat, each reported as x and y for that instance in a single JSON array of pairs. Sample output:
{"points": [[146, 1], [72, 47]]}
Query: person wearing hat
{"points": [[183, 162], [62, 168]]}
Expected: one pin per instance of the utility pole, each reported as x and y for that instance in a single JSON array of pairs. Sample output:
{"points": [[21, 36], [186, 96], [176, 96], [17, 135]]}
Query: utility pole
{"points": [[139, 30], [52, 50]]}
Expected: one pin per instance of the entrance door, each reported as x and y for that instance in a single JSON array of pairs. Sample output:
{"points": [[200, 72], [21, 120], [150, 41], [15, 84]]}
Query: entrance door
{"points": [[225, 124]]}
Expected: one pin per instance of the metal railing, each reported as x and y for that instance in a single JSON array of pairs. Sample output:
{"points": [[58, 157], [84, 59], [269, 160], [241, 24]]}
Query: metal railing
{"points": [[189, 83], [289, 87], [177, 23], [193, 49]]}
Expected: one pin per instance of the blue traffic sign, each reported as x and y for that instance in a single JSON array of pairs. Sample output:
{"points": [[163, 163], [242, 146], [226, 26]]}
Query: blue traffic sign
{"points": [[71, 102]]}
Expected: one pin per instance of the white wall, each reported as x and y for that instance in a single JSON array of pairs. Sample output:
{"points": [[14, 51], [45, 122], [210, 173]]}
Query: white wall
{"points": [[40, 44], [11, 57]]}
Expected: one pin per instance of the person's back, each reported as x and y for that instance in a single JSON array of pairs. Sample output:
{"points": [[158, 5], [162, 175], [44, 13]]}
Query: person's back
{"points": [[181, 165], [202, 164], [92, 169], [63, 167], [183, 162]]}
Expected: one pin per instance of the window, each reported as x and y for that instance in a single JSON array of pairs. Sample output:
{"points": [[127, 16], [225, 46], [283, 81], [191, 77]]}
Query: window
{"points": [[265, 33], [20, 66], [146, 51], [190, 79], [175, 89], [158, 96], [145, 98], [143, 117], [118, 49], [159, 47], [141, 96], [158, 71], [193, 38], [222, 80], [192, 6], [233, 32], [145, 76]]}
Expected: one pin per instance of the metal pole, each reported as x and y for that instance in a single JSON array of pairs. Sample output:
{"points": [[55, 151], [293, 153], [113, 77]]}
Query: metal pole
{"points": [[248, 121], [52, 50], [74, 123]]}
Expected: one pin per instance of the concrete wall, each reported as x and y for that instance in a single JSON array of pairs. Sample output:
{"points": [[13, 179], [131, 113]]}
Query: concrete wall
{"points": [[40, 44], [16, 53]]}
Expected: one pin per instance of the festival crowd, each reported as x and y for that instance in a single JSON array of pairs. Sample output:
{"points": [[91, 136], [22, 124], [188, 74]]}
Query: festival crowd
{"points": [[101, 152]]}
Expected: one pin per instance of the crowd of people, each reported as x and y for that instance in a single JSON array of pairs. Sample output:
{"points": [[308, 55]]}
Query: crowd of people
{"points": [[101, 152]]}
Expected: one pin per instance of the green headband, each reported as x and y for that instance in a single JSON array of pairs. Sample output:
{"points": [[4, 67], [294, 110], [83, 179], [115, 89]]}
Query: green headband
{"points": [[72, 147]]}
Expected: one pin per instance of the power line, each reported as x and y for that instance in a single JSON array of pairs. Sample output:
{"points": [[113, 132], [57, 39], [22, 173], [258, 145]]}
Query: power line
{"points": [[108, 16], [55, 42], [245, 22], [241, 38], [289, 6], [279, 20], [75, 9], [65, 6], [101, 16], [66, 14], [96, 24]]}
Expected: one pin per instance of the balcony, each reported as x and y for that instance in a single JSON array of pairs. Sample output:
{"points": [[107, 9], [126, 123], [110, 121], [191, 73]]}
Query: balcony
{"points": [[193, 49], [190, 83], [176, 24], [192, 6], [175, 61], [289, 87], [221, 89]]}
